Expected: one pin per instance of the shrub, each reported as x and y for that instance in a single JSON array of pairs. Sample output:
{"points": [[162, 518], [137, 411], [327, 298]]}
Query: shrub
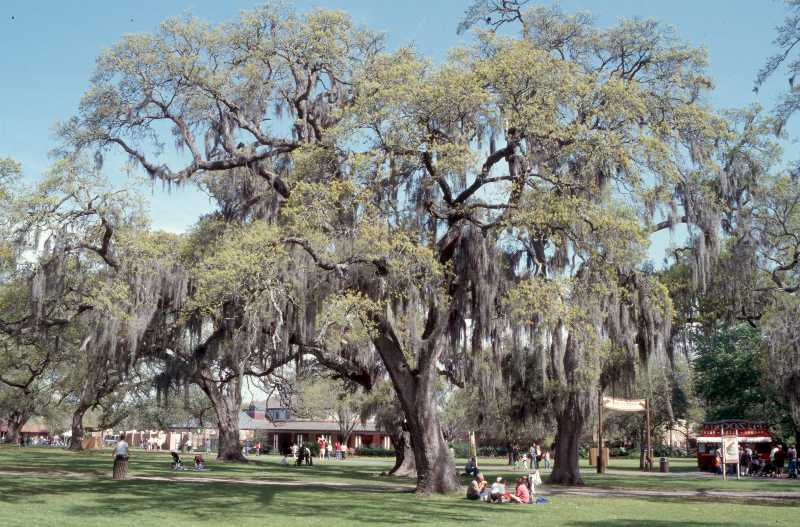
{"points": [[492, 451], [460, 449], [374, 451], [668, 451]]}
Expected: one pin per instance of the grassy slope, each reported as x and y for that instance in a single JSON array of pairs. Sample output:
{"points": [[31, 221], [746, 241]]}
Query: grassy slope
{"points": [[93, 501]]}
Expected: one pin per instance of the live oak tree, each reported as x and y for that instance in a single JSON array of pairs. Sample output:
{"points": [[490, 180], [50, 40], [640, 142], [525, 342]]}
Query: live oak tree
{"points": [[80, 292], [217, 88], [435, 217], [52, 232], [149, 411]]}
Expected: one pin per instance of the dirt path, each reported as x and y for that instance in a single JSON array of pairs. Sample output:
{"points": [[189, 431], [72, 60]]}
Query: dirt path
{"points": [[598, 492], [594, 492], [343, 485]]}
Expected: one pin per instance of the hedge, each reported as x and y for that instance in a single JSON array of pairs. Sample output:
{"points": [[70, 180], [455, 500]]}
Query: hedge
{"points": [[374, 451]]}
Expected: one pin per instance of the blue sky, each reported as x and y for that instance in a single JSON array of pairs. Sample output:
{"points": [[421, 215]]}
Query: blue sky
{"points": [[48, 48]]}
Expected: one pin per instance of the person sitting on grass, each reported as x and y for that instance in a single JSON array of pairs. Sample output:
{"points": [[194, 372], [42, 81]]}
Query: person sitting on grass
{"points": [[477, 488], [471, 468], [522, 494], [199, 462], [498, 491], [176, 464]]}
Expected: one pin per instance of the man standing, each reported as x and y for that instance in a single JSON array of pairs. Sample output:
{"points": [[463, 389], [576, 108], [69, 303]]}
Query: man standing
{"points": [[791, 457]]}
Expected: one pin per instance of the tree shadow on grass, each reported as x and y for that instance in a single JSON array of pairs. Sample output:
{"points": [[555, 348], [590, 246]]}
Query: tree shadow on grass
{"points": [[122, 502], [645, 523], [41, 460], [229, 502]]}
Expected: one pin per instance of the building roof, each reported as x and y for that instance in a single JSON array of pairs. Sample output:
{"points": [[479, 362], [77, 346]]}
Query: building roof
{"points": [[299, 425], [33, 426], [293, 425]]}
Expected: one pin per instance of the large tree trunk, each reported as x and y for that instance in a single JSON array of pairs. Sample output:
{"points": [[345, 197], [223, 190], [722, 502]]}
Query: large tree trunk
{"points": [[436, 472], [566, 468], [227, 401], [16, 420], [404, 462], [76, 441]]}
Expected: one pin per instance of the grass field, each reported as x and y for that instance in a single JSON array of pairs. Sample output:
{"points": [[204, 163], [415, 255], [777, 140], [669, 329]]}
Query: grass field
{"points": [[65, 489]]}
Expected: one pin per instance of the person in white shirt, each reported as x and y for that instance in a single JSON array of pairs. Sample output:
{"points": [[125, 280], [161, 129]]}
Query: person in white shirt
{"points": [[121, 458], [121, 450], [498, 490]]}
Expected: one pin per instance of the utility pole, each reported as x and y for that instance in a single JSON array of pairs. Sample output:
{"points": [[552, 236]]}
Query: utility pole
{"points": [[648, 458], [601, 467]]}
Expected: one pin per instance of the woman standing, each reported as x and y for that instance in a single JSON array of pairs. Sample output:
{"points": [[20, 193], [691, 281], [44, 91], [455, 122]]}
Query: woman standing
{"points": [[121, 458]]}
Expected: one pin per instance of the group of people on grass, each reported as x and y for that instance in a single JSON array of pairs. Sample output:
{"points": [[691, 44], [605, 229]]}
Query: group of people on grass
{"points": [[328, 449], [751, 464], [177, 463], [301, 454], [530, 459], [497, 492]]}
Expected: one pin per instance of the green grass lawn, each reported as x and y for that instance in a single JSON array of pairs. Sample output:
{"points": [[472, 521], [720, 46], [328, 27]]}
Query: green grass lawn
{"points": [[93, 499]]}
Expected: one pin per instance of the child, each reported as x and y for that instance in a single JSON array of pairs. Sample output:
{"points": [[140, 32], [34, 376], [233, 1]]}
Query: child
{"points": [[534, 480], [199, 462]]}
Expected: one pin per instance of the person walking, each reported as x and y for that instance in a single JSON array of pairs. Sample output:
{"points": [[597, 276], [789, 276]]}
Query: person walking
{"points": [[121, 459]]}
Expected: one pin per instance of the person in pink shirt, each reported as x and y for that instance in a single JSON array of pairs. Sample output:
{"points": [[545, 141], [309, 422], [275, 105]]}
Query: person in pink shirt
{"points": [[522, 493]]}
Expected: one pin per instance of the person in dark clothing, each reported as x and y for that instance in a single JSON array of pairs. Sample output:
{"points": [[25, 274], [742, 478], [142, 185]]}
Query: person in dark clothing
{"points": [[471, 468]]}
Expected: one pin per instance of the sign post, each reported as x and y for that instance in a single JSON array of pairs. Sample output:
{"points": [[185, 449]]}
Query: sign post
{"points": [[730, 451], [619, 405], [722, 452]]}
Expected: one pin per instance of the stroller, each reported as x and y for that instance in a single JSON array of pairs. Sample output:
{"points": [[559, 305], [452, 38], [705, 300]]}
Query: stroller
{"points": [[176, 464]]}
